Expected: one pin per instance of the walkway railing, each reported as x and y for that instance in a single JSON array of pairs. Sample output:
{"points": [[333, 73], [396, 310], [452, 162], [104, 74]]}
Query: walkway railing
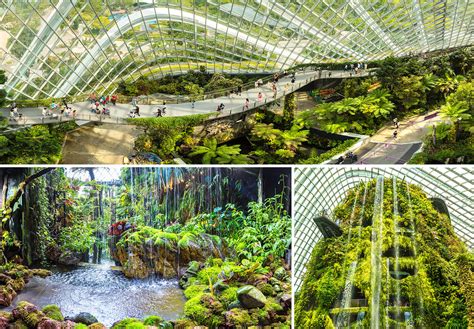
{"points": [[229, 111]]}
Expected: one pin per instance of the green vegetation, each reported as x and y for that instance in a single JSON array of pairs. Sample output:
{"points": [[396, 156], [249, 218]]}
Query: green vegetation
{"points": [[437, 265], [193, 83], [36, 145]]}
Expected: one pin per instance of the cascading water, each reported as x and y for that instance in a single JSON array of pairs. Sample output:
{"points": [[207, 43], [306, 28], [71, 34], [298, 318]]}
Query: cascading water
{"points": [[415, 249], [376, 254], [343, 319], [396, 217]]}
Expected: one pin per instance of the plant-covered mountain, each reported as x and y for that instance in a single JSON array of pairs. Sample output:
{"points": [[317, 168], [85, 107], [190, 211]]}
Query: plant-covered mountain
{"points": [[397, 264]]}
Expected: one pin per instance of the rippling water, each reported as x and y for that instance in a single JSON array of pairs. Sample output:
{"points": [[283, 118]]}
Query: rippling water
{"points": [[106, 294]]}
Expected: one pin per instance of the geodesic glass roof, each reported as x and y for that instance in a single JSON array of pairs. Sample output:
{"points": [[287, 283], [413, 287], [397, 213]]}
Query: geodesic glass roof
{"points": [[319, 190], [58, 47]]}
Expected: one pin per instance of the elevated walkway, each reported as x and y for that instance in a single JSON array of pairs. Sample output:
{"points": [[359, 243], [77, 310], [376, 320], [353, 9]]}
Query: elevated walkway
{"points": [[233, 104]]}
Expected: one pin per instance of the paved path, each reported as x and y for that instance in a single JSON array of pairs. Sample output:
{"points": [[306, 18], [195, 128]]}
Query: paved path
{"points": [[383, 148], [233, 104]]}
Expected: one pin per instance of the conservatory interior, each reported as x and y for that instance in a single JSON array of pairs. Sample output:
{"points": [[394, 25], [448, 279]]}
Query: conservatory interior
{"points": [[148, 247], [384, 247], [240, 81]]}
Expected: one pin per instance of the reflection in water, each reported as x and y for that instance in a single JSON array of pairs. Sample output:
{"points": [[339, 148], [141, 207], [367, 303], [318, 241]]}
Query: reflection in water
{"points": [[105, 293]]}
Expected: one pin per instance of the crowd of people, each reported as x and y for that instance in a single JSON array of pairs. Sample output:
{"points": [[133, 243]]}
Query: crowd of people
{"points": [[356, 68]]}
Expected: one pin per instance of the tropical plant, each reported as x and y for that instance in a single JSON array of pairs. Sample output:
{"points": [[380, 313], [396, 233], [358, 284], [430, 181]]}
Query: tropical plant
{"points": [[223, 154], [456, 113]]}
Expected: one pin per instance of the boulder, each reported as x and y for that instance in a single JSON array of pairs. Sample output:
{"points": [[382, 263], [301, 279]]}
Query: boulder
{"points": [[97, 325], [49, 324], [53, 312], [234, 304], [7, 294], [3, 322], [285, 301], [251, 297], [280, 274], [85, 318], [28, 313]]}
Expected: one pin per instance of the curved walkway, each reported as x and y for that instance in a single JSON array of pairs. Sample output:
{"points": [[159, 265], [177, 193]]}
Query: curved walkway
{"points": [[383, 148], [233, 104]]}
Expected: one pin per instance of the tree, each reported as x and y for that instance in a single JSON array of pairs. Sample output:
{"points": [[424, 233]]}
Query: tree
{"points": [[456, 113]]}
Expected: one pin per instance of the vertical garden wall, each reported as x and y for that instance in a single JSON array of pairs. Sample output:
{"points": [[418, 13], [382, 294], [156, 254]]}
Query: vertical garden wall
{"points": [[397, 264]]}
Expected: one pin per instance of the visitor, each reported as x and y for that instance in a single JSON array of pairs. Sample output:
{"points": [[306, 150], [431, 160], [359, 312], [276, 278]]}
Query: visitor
{"points": [[134, 102], [340, 160], [163, 108], [64, 102], [105, 111], [53, 105], [395, 133], [256, 84], [68, 112], [158, 113], [239, 90], [293, 80], [62, 109], [246, 104], [260, 97], [345, 67], [329, 73], [131, 114], [45, 112], [107, 99], [137, 110], [220, 108], [12, 115], [114, 100], [192, 104], [74, 114], [92, 98]]}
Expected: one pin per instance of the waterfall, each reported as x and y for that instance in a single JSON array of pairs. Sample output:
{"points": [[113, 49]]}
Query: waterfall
{"points": [[415, 250], [343, 318], [376, 254], [396, 216]]}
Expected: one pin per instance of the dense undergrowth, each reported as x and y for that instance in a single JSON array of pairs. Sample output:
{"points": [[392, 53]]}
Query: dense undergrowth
{"points": [[435, 267]]}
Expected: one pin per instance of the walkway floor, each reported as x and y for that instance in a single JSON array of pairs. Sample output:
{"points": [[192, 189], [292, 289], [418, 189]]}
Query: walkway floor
{"points": [[383, 148], [232, 104]]}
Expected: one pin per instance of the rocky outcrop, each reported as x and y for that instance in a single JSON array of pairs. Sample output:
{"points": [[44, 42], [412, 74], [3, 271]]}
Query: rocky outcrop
{"points": [[142, 254], [63, 257], [14, 280], [27, 316]]}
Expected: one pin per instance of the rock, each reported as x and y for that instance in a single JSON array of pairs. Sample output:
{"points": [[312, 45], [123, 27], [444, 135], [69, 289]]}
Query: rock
{"points": [[42, 273], [68, 325], [18, 324], [7, 294], [277, 288], [234, 304], [69, 258], [3, 322], [280, 274], [97, 325], [85, 318], [28, 313], [238, 317], [251, 297], [49, 324], [53, 312], [285, 301]]}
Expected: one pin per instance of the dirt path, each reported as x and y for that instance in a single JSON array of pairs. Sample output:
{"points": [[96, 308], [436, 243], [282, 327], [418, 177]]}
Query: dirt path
{"points": [[99, 144]]}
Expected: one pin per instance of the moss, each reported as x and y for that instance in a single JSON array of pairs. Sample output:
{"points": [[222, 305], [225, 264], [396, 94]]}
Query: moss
{"points": [[434, 276], [194, 310], [19, 324], [53, 312], [194, 290], [239, 317], [129, 323], [80, 326], [153, 320], [266, 289], [228, 296], [96, 325]]}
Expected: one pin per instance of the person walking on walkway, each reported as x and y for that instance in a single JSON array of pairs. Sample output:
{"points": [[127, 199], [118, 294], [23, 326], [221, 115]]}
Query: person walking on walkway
{"points": [[246, 104], [114, 100], [260, 97], [395, 133]]}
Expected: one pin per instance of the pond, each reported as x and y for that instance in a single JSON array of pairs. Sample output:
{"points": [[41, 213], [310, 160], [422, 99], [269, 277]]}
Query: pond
{"points": [[105, 293]]}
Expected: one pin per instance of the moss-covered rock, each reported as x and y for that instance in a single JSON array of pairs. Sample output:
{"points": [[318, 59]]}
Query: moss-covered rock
{"points": [[153, 320], [53, 312], [238, 317], [28, 313], [128, 323], [47, 323], [251, 297], [148, 251], [97, 325]]}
